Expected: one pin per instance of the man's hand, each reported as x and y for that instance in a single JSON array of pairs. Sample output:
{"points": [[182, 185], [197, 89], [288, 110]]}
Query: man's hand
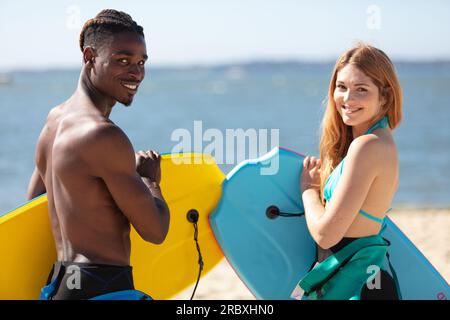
{"points": [[148, 165]]}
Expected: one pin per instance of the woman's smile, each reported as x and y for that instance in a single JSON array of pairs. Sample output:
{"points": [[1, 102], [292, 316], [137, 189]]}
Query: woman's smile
{"points": [[349, 110]]}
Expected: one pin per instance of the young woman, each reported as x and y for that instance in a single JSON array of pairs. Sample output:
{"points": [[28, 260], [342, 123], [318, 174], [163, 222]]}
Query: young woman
{"points": [[347, 193]]}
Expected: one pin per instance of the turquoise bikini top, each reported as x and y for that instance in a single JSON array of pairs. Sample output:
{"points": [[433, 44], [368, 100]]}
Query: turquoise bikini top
{"points": [[333, 179]]}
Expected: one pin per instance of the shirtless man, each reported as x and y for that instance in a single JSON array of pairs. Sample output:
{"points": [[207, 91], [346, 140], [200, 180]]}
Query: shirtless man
{"points": [[96, 184]]}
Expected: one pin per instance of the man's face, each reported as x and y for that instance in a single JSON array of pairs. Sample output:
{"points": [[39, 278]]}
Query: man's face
{"points": [[119, 66]]}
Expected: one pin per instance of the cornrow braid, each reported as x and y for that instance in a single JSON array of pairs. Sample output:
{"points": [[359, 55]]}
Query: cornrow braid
{"points": [[106, 23]]}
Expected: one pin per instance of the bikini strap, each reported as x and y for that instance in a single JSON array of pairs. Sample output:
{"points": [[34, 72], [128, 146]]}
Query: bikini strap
{"points": [[383, 123], [371, 217]]}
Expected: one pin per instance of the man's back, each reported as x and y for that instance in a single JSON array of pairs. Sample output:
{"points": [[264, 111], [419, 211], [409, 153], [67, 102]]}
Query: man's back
{"points": [[87, 224]]}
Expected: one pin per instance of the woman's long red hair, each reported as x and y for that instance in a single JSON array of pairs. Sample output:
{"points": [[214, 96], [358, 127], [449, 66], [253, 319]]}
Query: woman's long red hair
{"points": [[337, 136]]}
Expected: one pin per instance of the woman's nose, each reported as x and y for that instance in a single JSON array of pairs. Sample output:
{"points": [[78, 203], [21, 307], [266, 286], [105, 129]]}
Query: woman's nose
{"points": [[347, 96]]}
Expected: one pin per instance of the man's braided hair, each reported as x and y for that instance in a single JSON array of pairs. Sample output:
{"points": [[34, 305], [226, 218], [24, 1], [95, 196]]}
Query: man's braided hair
{"points": [[104, 25]]}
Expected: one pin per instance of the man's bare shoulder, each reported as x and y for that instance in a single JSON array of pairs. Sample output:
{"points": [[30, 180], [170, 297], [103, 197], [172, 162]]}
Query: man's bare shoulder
{"points": [[81, 132], [102, 135], [57, 112]]}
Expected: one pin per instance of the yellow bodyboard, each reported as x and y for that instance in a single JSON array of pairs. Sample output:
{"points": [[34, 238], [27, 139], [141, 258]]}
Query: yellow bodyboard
{"points": [[189, 181]]}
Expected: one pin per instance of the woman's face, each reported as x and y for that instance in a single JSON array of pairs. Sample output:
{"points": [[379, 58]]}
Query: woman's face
{"points": [[356, 97]]}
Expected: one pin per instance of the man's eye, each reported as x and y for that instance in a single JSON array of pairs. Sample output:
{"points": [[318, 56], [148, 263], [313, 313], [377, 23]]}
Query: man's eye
{"points": [[141, 63], [123, 61]]}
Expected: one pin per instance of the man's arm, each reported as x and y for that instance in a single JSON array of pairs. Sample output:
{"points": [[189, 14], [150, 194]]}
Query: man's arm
{"points": [[156, 192], [36, 187], [110, 156], [148, 166]]}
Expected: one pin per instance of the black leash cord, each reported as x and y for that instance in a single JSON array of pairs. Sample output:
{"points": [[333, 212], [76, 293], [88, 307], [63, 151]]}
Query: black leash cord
{"points": [[273, 212], [200, 258], [192, 217], [286, 214]]}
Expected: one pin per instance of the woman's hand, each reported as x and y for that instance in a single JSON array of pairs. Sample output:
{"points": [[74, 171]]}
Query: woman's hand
{"points": [[310, 177]]}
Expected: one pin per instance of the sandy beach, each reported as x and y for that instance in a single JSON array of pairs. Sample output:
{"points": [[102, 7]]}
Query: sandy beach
{"points": [[427, 229]]}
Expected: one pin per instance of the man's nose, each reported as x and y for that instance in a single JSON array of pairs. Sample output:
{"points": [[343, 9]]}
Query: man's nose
{"points": [[136, 72]]}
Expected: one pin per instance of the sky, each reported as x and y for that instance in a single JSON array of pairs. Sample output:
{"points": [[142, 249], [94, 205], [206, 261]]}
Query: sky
{"points": [[44, 34]]}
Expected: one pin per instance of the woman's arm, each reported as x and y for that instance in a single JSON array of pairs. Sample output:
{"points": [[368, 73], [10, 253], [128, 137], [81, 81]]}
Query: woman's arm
{"points": [[362, 165]]}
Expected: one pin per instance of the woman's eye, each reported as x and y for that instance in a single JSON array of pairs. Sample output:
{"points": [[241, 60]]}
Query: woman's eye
{"points": [[361, 90], [340, 86]]}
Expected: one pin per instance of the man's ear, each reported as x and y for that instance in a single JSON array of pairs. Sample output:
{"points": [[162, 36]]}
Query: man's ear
{"points": [[89, 55]]}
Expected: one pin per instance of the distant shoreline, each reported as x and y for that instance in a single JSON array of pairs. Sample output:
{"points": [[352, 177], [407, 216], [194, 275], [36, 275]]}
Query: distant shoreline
{"points": [[252, 64]]}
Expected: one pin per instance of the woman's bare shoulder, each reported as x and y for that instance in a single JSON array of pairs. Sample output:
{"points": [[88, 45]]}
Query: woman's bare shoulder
{"points": [[379, 150]]}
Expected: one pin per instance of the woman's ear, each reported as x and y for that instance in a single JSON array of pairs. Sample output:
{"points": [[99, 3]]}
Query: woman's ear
{"points": [[385, 96]]}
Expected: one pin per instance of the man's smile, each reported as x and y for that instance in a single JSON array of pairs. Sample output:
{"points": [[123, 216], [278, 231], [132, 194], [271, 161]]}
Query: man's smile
{"points": [[130, 85]]}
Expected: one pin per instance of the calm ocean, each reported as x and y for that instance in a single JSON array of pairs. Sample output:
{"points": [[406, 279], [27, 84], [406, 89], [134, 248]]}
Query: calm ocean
{"points": [[285, 96]]}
